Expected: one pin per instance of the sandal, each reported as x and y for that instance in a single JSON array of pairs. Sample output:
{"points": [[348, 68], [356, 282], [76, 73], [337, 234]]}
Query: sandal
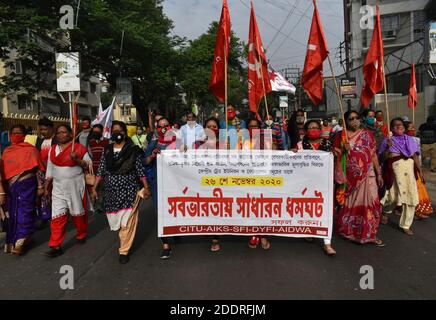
{"points": [[253, 242], [328, 250], [265, 244], [408, 232], [384, 219], [379, 243], [215, 246]]}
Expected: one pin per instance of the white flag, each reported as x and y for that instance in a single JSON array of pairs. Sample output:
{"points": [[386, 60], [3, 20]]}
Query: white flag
{"points": [[279, 83], [105, 119]]}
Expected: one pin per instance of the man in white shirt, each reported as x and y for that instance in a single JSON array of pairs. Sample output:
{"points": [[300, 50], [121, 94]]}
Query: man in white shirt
{"points": [[192, 132]]}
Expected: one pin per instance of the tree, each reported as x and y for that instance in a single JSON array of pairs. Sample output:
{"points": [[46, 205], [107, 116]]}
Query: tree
{"points": [[197, 57], [148, 57]]}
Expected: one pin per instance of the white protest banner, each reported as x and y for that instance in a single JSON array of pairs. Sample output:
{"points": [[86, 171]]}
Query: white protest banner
{"points": [[213, 192]]}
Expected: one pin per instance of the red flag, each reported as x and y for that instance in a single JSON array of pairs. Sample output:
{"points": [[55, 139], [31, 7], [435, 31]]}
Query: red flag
{"points": [[373, 67], [222, 48], [413, 94], [312, 79], [257, 66]]}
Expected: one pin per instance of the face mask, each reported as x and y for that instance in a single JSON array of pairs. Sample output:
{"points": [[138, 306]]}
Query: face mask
{"points": [[162, 130], [398, 131], [118, 137], [139, 132], [370, 121], [251, 131], [216, 132], [269, 123], [85, 126], [97, 135], [300, 119], [380, 118], [411, 133], [313, 134], [334, 123], [231, 115], [191, 123], [17, 138]]}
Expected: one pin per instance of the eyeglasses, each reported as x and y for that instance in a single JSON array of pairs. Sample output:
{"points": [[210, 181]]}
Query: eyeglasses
{"points": [[353, 119]]}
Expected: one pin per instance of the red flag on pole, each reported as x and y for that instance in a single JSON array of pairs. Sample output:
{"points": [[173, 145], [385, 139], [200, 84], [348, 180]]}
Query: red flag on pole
{"points": [[373, 67], [258, 76], [312, 79], [413, 94], [222, 48]]}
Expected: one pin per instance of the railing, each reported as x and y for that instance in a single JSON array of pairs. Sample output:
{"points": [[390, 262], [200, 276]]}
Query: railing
{"points": [[11, 119]]}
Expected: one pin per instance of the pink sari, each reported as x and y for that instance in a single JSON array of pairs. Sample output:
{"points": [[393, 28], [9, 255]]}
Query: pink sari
{"points": [[358, 219]]}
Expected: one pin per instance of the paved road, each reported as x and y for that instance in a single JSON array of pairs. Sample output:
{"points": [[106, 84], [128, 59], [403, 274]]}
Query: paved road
{"points": [[292, 269]]}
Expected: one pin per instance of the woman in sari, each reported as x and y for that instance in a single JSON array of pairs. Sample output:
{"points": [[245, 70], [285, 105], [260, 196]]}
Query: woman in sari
{"points": [[165, 141], [257, 141], [312, 141], [212, 142], [424, 208], [358, 173], [65, 182], [400, 153], [123, 174], [212, 131], [22, 162]]}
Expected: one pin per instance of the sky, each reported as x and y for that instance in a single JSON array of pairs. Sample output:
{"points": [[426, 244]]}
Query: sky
{"points": [[283, 24]]}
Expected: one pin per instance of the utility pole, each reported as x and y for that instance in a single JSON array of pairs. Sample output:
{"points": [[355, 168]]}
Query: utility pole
{"points": [[293, 75], [347, 32]]}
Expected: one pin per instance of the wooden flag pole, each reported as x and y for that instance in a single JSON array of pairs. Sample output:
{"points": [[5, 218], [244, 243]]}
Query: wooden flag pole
{"points": [[339, 97], [388, 121], [385, 89], [413, 115], [225, 92]]}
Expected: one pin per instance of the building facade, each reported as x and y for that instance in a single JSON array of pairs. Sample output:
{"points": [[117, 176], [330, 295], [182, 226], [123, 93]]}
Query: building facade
{"points": [[406, 31]]}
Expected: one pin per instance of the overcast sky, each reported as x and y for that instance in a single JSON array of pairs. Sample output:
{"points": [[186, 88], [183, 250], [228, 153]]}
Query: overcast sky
{"points": [[285, 48]]}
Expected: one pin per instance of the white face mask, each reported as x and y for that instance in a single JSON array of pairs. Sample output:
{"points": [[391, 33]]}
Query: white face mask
{"points": [[300, 119], [269, 123]]}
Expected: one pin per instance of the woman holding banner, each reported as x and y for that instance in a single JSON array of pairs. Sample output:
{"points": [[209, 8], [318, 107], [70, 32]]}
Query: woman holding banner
{"points": [[212, 142], [257, 142], [123, 174], [312, 141], [358, 173], [165, 141]]}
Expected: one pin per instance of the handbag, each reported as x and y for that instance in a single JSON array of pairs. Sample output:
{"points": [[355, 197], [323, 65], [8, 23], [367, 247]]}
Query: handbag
{"points": [[90, 176]]}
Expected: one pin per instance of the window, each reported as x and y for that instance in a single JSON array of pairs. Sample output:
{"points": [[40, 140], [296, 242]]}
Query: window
{"points": [[390, 22], [125, 110], [17, 67], [24, 102]]}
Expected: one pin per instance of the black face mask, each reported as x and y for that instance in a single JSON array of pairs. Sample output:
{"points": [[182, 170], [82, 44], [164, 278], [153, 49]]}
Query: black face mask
{"points": [[96, 135], [118, 137]]}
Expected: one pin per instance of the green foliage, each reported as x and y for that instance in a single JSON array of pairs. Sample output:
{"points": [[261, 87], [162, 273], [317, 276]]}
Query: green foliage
{"points": [[160, 65], [195, 73]]}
